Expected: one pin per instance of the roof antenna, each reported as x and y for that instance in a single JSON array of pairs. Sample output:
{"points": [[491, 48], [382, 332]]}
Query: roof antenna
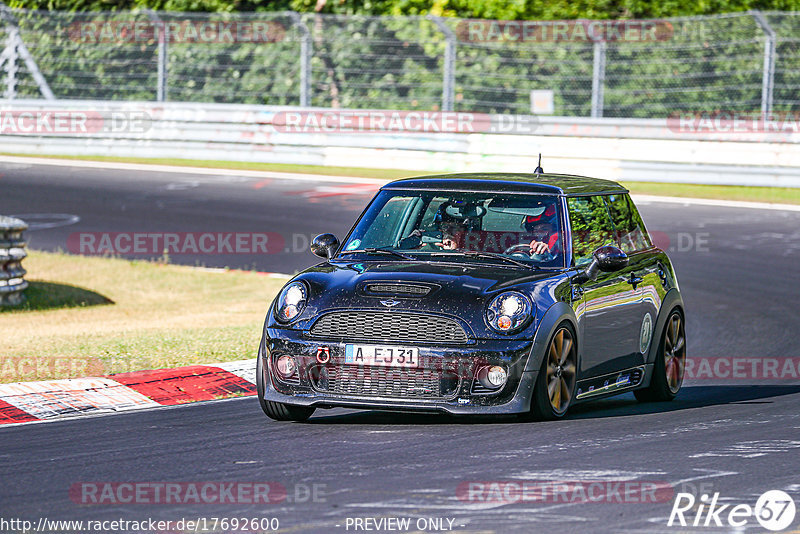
{"points": [[539, 169]]}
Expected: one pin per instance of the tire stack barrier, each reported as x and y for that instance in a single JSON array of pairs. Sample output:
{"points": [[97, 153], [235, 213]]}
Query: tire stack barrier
{"points": [[12, 252]]}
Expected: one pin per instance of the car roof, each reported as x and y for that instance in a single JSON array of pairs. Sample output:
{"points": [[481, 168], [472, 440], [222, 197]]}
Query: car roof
{"points": [[554, 184]]}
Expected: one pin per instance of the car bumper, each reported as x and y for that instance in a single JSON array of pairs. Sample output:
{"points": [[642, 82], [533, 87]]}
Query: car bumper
{"points": [[456, 365]]}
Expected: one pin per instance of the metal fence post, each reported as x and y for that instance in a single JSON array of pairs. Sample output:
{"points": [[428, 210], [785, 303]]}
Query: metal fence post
{"points": [[768, 76], [19, 48], [9, 59], [449, 74], [598, 78], [161, 83], [306, 52]]}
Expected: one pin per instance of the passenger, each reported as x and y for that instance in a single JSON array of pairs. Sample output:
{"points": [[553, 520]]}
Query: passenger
{"points": [[453, 219], [453, 234]]}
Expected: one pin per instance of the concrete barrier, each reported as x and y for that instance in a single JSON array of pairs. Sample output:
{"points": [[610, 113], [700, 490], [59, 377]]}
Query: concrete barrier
{"points": [[660, 150]]}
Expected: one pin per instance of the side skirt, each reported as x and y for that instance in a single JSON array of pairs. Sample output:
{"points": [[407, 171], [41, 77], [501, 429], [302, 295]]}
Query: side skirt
{"points": [[612, 383]]}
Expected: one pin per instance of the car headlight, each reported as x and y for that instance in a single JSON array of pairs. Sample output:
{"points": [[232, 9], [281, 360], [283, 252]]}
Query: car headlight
{"points": [[291, 302], [508, 312]]}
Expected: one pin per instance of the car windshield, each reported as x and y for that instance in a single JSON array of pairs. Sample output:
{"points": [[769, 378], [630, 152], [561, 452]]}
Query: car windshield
{"points": [[436, 225]]}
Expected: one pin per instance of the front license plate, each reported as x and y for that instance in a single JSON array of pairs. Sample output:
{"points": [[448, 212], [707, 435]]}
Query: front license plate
{"points": [[383, 355]]}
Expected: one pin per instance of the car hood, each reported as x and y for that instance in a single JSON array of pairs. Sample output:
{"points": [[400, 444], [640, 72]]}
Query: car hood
{"points": [[460, 290]]}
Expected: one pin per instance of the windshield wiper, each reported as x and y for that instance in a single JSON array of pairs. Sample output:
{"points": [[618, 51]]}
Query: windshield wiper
{"points": [[480, 254], [373, 250]]}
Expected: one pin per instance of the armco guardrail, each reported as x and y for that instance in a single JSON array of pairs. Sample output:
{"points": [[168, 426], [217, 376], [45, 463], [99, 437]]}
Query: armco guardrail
{"points": [[12, 252], [666, 150]]}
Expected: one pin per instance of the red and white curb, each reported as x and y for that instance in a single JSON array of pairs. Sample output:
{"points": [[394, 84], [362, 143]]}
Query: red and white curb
{"points": [[24, 402], [27, 402]]}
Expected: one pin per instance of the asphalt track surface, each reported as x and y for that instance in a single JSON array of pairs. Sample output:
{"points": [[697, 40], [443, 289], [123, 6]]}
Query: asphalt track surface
{"points": [[738, 273]]}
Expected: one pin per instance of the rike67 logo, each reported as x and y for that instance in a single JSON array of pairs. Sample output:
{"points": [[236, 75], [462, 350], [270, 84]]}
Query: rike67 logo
{"points": [[774, 510]]}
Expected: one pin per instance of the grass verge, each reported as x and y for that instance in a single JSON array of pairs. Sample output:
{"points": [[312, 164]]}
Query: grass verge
{"points": [[89, 316], [779, 195], [774, 195], [360, 172]]}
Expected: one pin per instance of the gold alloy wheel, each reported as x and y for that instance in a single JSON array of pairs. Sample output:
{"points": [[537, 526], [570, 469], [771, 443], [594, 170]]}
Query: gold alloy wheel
{"points": [[561, 370], [675, 353]]}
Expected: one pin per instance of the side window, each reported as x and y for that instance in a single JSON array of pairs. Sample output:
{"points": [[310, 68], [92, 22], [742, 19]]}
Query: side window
{"points": [[631, 234], [427, 218], [591, 227], [385, 227]]}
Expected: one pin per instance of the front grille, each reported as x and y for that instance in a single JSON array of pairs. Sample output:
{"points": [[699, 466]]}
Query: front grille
{"points": [[394, 326], [388, 382], [480, 389], [397, 289]]}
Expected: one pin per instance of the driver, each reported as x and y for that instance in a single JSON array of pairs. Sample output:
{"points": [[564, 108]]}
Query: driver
{"points": [[544, 228]]}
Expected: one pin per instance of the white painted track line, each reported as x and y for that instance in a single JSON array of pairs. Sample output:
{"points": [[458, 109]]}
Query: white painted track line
{"points": [[344, 179], [111, 165]]}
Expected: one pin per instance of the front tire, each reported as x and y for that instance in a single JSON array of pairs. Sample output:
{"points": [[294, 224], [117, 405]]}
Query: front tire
{"points": [[670, 364], [555, 385], [277, 410]]}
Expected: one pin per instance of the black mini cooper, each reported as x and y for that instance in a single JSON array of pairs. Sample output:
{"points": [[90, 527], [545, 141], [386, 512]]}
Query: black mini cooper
{"points": [[478, 294]]}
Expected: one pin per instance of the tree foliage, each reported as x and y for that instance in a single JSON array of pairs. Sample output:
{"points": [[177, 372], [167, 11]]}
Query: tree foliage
{"points": [[358, 60], [487, 9]]}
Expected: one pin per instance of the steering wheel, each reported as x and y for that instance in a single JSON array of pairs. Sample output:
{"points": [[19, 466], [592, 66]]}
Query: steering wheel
{"points": [[510, 250]]}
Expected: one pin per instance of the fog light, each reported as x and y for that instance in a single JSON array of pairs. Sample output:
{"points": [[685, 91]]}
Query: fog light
{"points": [[496, 376], [492, 378], [285, 366]]}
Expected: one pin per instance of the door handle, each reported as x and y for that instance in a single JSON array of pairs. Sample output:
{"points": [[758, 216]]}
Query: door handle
{"points": [[577, 293], [634, 280]]}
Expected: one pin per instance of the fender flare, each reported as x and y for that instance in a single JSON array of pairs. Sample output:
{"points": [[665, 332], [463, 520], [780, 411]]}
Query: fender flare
{"points": [[553, 317], [672, 300]]}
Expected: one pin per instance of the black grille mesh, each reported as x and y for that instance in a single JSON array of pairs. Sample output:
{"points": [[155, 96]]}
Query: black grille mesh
{"points": [[398, 289], [389, 326], [386, 382]]}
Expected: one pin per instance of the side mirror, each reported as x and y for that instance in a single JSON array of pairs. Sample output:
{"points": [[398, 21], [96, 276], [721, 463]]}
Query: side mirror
{"points": [[607, 259], [325, 246], [610, 259]]}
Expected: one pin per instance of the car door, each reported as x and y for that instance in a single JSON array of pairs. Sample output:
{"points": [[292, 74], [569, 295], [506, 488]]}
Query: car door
{"points": [[642, 272], [611, 317]]}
